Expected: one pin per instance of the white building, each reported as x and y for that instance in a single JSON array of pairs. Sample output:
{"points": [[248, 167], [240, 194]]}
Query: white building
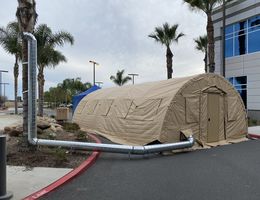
{"points": [[242, 50]]}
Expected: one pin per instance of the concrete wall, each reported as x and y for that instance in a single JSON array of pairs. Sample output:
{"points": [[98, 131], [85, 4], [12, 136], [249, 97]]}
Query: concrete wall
{"points": [[244, 65]]}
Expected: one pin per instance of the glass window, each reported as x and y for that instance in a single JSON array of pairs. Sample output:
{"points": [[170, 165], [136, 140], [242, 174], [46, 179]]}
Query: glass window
{"points": [[243, 94], [240, 83], [243, 37], [240, 45], [240, 28], [240, 80], [254, 41], [254, 23], [229, 48], [229, 29], [230, 80]]}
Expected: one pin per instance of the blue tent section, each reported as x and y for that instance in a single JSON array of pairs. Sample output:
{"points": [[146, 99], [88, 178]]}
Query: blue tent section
{"points": [[77, 98]]}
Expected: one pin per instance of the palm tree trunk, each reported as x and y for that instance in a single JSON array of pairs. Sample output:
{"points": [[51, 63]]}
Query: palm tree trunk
{"points": [[40, 90], [16, 74], [211, 44], [169, 56], [206, 62]]}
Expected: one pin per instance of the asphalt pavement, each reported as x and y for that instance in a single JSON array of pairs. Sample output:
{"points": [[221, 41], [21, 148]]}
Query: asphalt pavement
{"points": [[225, 172]]}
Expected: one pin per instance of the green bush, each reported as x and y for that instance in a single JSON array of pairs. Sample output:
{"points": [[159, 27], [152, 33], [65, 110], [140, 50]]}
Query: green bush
{"points": [[72, 127], [81, 135], [60, 155]]}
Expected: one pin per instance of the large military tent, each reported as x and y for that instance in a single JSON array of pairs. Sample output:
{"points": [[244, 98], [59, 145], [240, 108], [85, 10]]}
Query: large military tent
{"points": [[206, 104]]}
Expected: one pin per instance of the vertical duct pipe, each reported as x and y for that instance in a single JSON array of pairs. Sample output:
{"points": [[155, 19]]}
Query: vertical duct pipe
{"points": [[114, 148], [32, 85]]}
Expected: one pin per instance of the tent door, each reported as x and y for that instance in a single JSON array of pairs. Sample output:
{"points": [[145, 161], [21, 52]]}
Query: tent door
{"points": [[213, 117]]}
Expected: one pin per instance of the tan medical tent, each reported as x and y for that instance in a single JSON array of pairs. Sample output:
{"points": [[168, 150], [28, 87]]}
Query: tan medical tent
{"points": [[140, 114]]}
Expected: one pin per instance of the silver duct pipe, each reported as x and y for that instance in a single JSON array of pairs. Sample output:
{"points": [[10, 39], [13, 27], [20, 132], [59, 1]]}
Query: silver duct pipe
{"points": [[114, 148], [117, 148]]}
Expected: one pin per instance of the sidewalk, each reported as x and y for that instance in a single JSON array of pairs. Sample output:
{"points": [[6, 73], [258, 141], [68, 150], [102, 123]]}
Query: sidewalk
{"points": [[22, 181], [254, 131]]}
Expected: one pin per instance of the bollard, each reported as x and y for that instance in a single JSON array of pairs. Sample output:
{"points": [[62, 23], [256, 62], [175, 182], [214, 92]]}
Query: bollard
{"points": [[3, 194]]}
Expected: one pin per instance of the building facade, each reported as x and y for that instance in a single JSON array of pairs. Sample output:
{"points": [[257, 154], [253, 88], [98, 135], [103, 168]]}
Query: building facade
{"points": [[242, 50]]}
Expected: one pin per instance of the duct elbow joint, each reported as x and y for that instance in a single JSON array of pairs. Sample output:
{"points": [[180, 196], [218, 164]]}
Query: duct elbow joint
{"points": [[33, 141]]}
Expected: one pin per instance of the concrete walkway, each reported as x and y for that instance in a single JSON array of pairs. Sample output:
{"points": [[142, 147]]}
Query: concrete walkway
{"points": [[254, 130], [25, 181]]}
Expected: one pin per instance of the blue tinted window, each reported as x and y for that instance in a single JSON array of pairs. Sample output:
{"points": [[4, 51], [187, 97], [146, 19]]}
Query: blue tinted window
{"points": [[239, 80], [229, 48], [229, 29], [240, 45], [254, 23], [230, 80], [243, 94], [243, 37], [254, 41]]}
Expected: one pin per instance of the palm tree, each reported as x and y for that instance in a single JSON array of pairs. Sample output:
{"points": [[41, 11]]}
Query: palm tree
{"points": [[166, 35], [201, 45], [26, 16], [119, 79], [9, 41], [207, 7], [48, 56]]}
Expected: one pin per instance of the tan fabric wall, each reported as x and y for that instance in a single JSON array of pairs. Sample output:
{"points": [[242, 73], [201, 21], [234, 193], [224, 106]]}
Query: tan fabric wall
{"points": [[140, 114]]}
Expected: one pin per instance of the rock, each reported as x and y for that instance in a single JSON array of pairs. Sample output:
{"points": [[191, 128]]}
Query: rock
{"points": [[52, 136], [59, 129], [14, 133], [53, 129], [43, 125], [39, 131], [7, 129], [19, 128]]}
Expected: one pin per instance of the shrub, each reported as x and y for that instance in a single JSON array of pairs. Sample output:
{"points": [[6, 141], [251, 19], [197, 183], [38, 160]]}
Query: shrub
{"points": [[60, 155], [81, 135], [73, 127]]}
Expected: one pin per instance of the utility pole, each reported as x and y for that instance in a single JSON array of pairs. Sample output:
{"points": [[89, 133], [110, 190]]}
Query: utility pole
{"points": [[133, 77], [224, 38], [94, 71]]}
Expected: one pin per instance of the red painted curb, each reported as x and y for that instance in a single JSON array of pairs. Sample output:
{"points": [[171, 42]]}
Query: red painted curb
{"points": [[72, 174], [253, 136]]}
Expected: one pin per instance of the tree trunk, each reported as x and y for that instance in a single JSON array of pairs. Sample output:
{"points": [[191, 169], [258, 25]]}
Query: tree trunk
{"points": [[211, 44], [16, 74], [40, 90], [206, 62], [169, 56]]}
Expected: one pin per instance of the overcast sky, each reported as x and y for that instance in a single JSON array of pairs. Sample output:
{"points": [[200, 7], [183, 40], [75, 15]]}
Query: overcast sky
{"points": [[113, 33]]}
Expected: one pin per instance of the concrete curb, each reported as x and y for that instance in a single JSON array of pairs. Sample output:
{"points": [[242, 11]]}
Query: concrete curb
{"points": [[69, 176], [253, 136]]}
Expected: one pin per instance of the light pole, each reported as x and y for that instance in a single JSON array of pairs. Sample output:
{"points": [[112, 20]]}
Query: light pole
{"points": [[94, 71], [133, 77]]}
